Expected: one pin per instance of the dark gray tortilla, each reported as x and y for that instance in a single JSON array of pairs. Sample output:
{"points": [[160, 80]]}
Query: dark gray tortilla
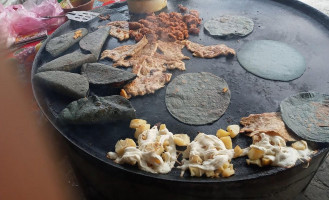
{"points": [[307, 114], [197, 98], [94, 41], [59, 44], [229, 26], [68, 62], [65, 83], [271, 60], [103, 74], [94, 110]]}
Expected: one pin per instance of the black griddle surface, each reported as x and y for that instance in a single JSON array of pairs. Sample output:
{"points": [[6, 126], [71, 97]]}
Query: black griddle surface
{"points": [[294, 23]]}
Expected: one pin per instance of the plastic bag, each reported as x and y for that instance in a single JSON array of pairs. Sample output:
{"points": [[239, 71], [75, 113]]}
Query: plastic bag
{"points": [[25, 19]]}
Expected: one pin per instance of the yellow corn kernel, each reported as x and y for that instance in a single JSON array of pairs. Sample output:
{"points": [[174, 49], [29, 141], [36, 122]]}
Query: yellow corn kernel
{"points": [[228, 172], [266, 161], [141, 129], [233, 130], [227, 141], [255, 154], [194, 171], [210, 173], [121, 145], [195, 159], [222, 133], [162, 127], [181, 139], [299, 145], [165, 156], [254, 162], [237, 151], [135, 123], [124, 94], [226, 165]]}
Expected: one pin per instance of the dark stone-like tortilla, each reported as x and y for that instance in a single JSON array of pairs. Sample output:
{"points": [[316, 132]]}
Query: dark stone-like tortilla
{"points": [[307, 114], [68, 62], [98, 73], [94, 41], [229, 26], [59, 44], [94, 110], [271, 60], [69, 84], [197, 98]]}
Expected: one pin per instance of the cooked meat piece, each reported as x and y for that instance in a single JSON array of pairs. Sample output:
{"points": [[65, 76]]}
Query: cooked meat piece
{"points": [[145, 84], [166, 26], [119, 33], [135, 25], [182, 8], [172, 50], [212, 51], [269, 123], [104, 17], [120, 53], [147, 50], [119, 24], [156, 62]]}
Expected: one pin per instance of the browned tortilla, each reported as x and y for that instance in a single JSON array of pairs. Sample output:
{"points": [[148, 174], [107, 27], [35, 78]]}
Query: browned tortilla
{"points": [[269, 123]]}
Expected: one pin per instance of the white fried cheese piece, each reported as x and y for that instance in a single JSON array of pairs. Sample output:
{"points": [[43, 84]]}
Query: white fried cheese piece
{"points": [[156, 152], [207, 154], [272, 150]]}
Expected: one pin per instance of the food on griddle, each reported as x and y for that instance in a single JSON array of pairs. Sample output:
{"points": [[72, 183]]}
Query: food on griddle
{"points": [[166, 26], [145, 84], [211, 51], [59, 44], [182, 8], [119, 29], [197, 98], [68, 62], [77, 34], [122, 52], [269, 123], [234, 130], [93, 42], [172, 50], [271, 60], [148, 50], [229, 26], [95, 110], [307, 115], [155, 152], [69, 84], [98, 73], [272, 150], [182, 139], [207, 155]]}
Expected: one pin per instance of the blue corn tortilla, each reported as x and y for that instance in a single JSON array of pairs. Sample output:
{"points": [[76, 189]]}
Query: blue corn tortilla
{"points": [[272, 60], [229, 26], [97, 110], [307, 114], [94, 41], [98, 73], [197, 98], [68, 62], [58, 45], [68, 84]]}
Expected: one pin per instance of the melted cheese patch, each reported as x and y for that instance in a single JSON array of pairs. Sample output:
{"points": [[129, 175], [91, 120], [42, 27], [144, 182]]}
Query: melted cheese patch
{"points": [[275, 150], [156, 152], [207, 155]]}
